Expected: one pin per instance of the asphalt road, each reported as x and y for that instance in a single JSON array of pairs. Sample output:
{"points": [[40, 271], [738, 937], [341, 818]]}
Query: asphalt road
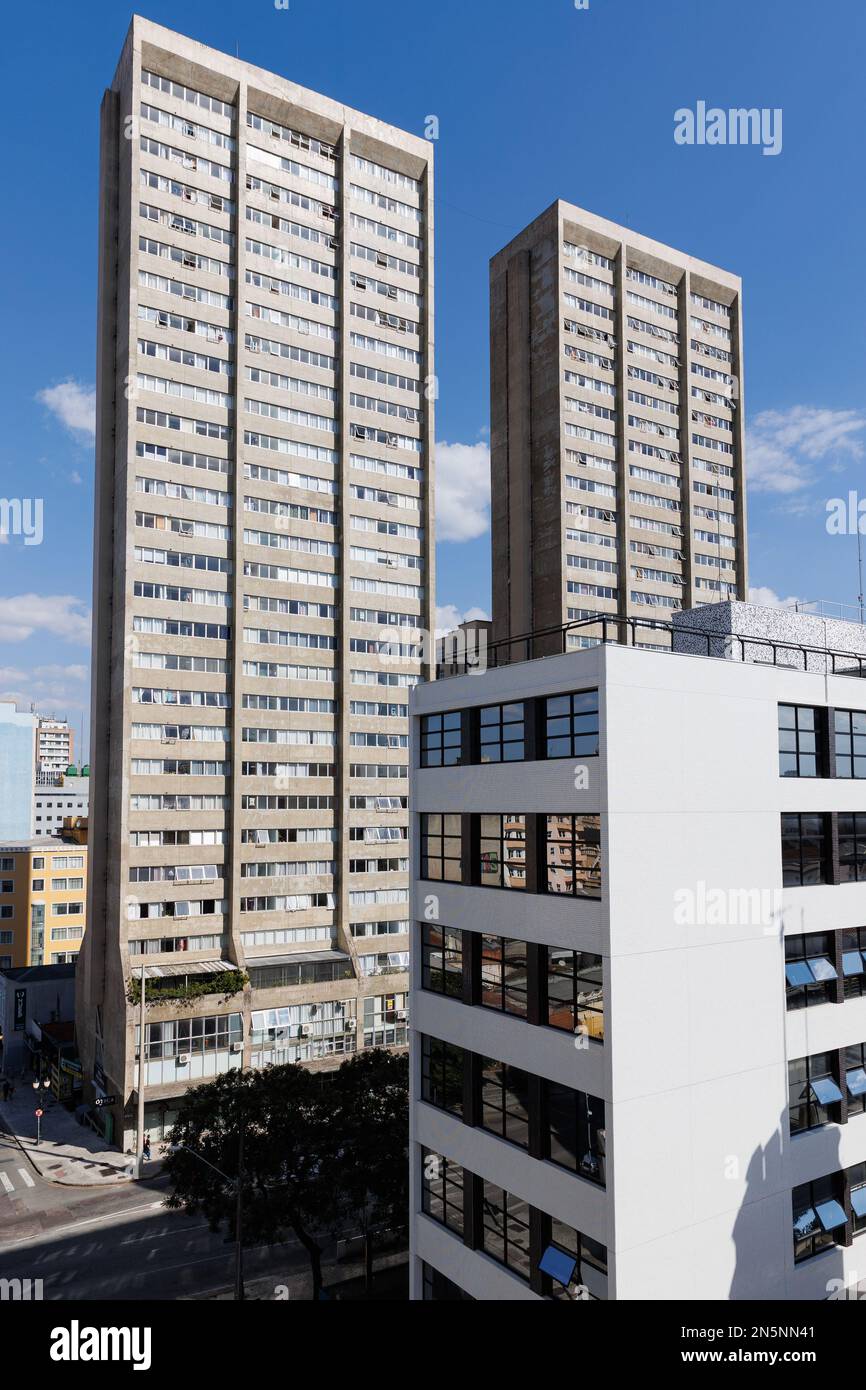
{"points": [[115, 1243]]}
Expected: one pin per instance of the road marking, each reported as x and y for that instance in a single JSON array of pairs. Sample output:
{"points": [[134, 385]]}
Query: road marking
{"points": [[51, 1231], [6, 1183], [28, 1181]]}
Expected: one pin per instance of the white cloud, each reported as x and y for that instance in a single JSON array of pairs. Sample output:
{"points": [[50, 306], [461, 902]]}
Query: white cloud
{"points": [[449, 616], [768, 598], [60, 690], [782, 446], [462, 491], [74, 406], [62, 615], [76, 478]]}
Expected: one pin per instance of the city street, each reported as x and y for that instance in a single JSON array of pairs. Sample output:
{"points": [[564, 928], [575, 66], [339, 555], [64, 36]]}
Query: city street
{"points": [[114, 1243]]}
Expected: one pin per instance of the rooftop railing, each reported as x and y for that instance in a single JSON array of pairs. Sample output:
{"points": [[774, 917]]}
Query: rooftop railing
{"points": [[476, 654]]}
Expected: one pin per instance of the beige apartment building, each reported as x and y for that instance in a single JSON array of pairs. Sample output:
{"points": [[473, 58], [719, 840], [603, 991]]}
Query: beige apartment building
{"points": [[263, 566], [616, 430]]}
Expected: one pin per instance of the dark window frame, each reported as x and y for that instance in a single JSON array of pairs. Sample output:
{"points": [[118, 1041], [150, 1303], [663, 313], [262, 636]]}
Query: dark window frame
{"points": [[505, 862], [805, 731], [443, 1197], [494, 993], [805, 1111], [801, 949], [807, 848], [438, 738], [435, 957], [849, 744], [814, 1240], [577, 843], [441, 846], [505, 731], [570, 722]]}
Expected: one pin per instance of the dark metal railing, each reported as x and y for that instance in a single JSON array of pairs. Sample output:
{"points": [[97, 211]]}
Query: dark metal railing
{"points": [[474, 654]]}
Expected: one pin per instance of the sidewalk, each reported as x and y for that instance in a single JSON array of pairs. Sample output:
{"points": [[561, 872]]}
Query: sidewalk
{"points": [[68, 1153]]}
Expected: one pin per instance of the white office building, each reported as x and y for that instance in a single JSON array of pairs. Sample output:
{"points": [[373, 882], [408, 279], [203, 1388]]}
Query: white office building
{"points": [[639, 984]]}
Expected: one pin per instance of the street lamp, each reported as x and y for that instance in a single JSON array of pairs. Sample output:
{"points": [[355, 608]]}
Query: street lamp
{"points": [[239, 1211], [38, 1087]]}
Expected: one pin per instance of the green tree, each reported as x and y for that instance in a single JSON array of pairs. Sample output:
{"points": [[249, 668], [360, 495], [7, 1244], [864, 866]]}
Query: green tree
{"points": [[287, 1142], [369, 1164]]}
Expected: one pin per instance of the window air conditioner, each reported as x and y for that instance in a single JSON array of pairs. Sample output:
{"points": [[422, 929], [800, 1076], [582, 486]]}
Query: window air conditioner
{"points": [[182, 1059], [350, 1025], [402, 1015], [237, 1047]]}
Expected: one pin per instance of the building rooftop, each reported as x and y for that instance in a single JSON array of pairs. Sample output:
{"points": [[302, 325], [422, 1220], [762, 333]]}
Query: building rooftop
{"points": [[729, 631], [35, 974]]}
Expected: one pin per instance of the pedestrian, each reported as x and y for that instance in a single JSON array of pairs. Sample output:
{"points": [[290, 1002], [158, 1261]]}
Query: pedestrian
{"points": [[146, 1149]]}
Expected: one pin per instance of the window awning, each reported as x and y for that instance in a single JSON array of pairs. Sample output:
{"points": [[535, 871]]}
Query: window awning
{"points": [[797, 973], [559, 1265], [825, 1091], [822, 969], [195, 967], [830, 1214], [856, 1081], [858, 1200], [852, 963], [298, 958]]}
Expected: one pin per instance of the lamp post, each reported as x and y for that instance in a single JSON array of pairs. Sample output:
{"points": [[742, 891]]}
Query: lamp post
{"points": [[38, 1087], [239, 1210]]}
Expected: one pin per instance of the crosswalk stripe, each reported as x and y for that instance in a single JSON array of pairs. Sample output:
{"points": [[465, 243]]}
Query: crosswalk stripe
{"points": [[6, 1183], [28, 1181]]}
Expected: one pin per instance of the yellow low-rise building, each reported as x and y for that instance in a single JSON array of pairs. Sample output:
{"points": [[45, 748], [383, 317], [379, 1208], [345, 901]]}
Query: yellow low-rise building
{"points": [[43, 898]]}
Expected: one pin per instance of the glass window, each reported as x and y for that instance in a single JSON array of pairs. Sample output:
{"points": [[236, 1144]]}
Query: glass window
{"points": [[575, 992], [854, 961], [810, 974], [854, 1079], [813, 1092], [441, 848], [852, 848], [857, 1185], [798, 741], [850, 734], [442, 1182], [819, 1218], [573, 845], [503, 975], [502, 851], [439, 1289], [442, 959], [505, 1101], [505, 1229], [502, 733], [575, 1136], [805, 849], [581, 1249], [571, 725], [441, 739], [442, 1068]]}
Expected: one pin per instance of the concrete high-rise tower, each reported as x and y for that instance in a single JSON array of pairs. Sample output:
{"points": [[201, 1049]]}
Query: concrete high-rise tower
{"points": [[263, 564], [616, 430]]}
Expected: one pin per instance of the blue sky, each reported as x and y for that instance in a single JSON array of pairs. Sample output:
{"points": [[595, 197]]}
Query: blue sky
{"points": [[535, 100]]}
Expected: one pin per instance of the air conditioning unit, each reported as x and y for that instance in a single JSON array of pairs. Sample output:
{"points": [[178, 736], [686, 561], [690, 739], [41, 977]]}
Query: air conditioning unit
{"points": [[182, 1059], [402, 1015], [350, 1025], [237, 1047], [304, 1031]]}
